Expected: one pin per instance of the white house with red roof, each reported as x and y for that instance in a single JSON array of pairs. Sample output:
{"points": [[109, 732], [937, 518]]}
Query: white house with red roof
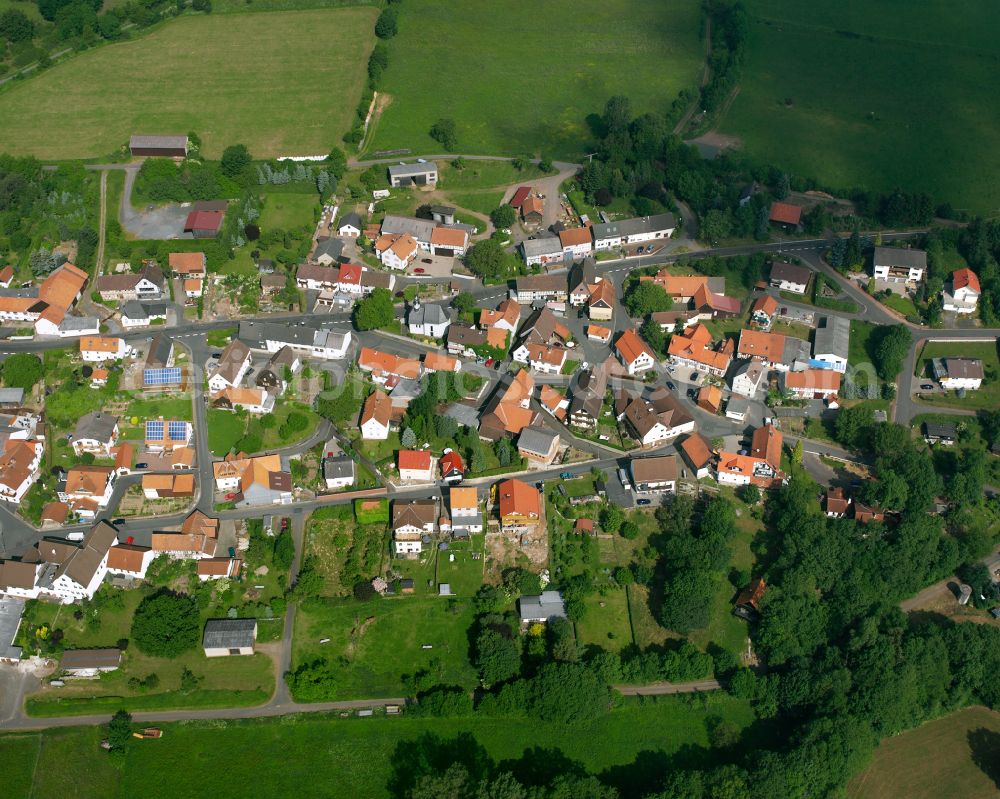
{"points": [[634, 353], [962, 295], [416, 465]]}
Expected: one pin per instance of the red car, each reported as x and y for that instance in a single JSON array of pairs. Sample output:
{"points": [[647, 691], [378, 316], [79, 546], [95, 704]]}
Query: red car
{"points": [[489, 362], [284, 524], [230, 496], [419, 270]]}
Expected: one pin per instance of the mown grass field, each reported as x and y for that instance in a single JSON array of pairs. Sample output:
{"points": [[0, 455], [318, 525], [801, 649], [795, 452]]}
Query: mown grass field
{"points": [[937, 759], [880, 95], [373, 644], [517, 79], [283, 83], [318, 756]]}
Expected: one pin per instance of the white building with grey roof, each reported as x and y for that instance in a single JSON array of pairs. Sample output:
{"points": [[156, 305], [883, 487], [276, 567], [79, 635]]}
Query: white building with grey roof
{"points": [[427, 319], [625, 232], [225, 637], [831, 343], [541, 608], [418, 174], [306, 341], [898, 265]]}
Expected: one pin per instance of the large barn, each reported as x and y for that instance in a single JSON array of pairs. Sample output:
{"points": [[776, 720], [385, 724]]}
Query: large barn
{"points": [[159, 146]]}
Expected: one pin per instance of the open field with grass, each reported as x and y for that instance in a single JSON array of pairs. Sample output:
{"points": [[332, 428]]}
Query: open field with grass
{"points": [[531, 89], [292, 92], [875, 95], [328, 756], [945, 757], [373, 644]]}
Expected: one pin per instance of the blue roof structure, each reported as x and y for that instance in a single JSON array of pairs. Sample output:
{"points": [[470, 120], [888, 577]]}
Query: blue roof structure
{"points": [[162, 377]]}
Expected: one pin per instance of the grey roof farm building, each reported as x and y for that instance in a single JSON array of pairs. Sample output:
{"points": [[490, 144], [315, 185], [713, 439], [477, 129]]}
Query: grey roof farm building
{"points": [[413, 174], [163, 146], [541, 608], [229, 637]]}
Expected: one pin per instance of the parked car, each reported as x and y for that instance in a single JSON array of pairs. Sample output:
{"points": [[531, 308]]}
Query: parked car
{"points": [[230, 496], [142, 466], [116, 522], [489, 362], [694, 376], [426, 260], [927, 386], [642, 502], [671, 386], [566, 476], [419, 270]]}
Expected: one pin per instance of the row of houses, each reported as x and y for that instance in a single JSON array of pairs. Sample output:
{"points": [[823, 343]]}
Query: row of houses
{"points": [[573, 244], [46, 307], [66, 571]]}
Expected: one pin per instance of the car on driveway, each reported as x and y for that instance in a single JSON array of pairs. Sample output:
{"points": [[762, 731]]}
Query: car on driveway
{"points": [[671, 386], [694, 377], [426, 260], [927, 386], [642, 502], [142, 466], [419, 270], [230, 496]]}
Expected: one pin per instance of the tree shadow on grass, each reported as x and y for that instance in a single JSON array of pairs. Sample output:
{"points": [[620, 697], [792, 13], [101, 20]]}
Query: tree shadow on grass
{"points": [[984, 745], [431, 754]]}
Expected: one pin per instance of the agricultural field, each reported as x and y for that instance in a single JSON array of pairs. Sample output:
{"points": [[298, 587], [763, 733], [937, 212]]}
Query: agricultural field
{"points": [[874, 95], [374, 644], [198, 73], [953, 756], [531, 89], [357, 755]]}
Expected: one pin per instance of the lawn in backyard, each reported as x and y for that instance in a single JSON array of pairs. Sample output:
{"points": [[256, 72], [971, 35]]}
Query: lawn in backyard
{"points": [[356, 757], [198, 73], [516, 87], [606, 621], [464, 573], [936, 759], [901, 305], [227, 429], [286, 210], [987, 397], [874, 95], [374, 644]]}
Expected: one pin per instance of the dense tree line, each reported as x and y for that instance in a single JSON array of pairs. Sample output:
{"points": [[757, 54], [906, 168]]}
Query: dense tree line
{"points": [[980, 244]]}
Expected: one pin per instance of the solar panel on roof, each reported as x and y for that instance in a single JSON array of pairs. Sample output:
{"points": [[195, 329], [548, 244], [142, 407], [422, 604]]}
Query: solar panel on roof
{"points": [[161, 377], [177, 431], [154, 431]]}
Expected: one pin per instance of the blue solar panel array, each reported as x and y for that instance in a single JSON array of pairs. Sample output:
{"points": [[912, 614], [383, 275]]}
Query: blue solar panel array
{"points": [[162, 377], [176, 431]]}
